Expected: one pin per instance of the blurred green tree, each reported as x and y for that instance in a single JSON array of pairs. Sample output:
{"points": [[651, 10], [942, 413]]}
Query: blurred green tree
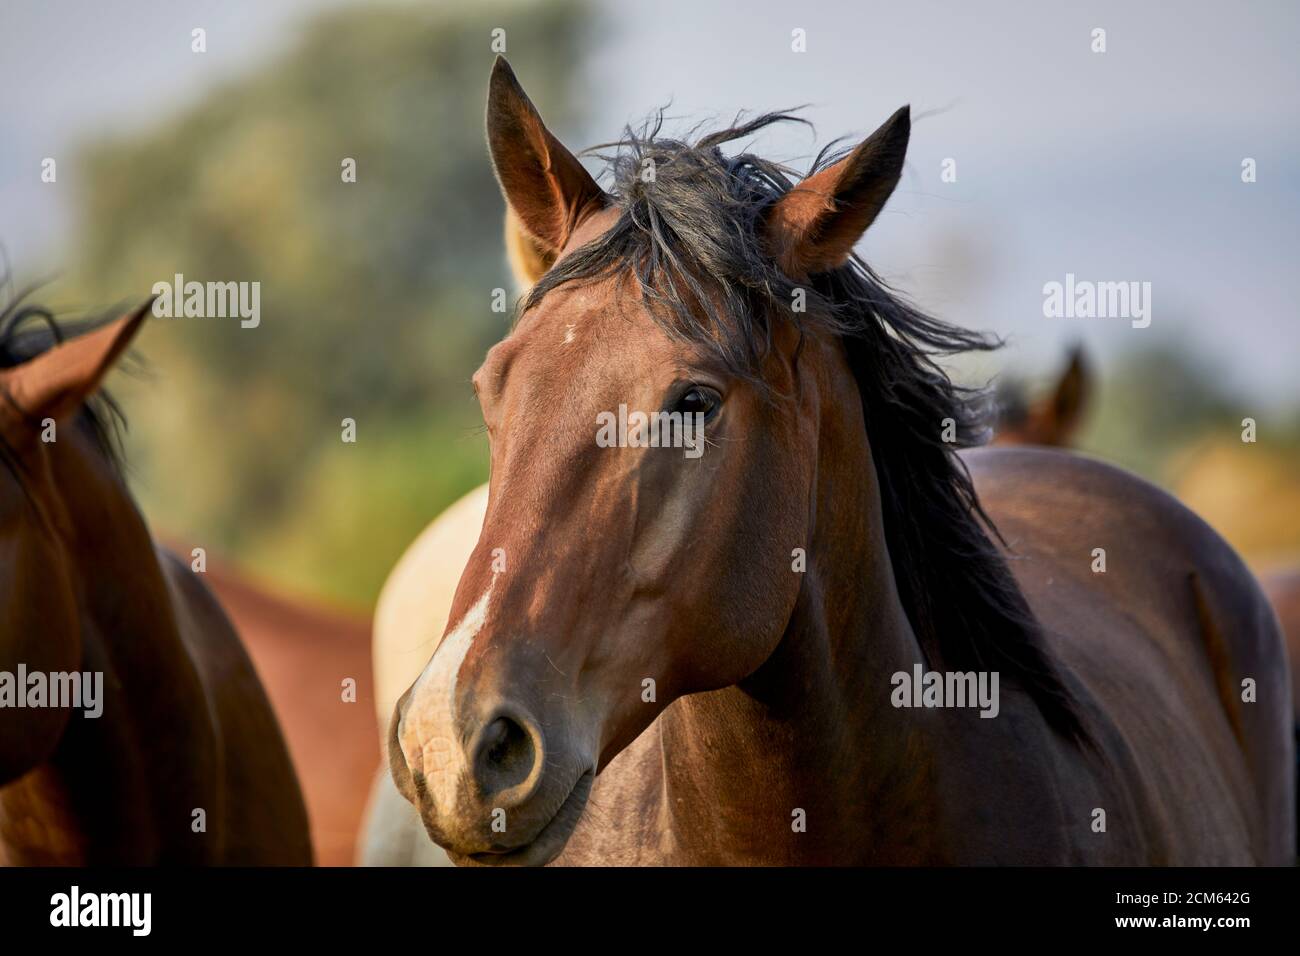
{"points": [[375, 295], [1155, 401]]}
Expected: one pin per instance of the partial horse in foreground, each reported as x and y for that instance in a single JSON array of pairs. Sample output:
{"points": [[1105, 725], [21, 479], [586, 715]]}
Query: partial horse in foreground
{"points": [[160, 745]]}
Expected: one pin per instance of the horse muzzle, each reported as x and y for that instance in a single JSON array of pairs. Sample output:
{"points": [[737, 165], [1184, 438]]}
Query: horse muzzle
{"points": [[495, 790]]}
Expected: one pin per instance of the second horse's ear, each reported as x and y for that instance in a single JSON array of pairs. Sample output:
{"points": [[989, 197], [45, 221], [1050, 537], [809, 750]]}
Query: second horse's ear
{"points": [[1070, 400], [548, 192], [814, 227], [56, 382]]}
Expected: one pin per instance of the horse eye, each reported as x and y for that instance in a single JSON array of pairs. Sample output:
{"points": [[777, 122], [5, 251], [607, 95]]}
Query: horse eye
{"points": [[700, 400]]}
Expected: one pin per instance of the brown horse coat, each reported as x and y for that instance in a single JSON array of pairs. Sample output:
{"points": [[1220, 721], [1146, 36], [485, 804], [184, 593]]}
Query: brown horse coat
{"points": [[186, 763], [636, 671]]}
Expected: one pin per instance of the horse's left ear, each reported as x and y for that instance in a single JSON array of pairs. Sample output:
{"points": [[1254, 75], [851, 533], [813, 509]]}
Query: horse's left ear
{"points": [[56, 382], [814, 227]]}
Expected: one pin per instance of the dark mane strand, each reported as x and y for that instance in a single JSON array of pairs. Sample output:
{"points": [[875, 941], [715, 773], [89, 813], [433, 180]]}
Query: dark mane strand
{"points": [[690, 229]]}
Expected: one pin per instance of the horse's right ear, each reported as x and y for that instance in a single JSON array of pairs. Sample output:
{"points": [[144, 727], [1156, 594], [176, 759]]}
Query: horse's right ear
{"points": [[56, 382], [548, 191]]}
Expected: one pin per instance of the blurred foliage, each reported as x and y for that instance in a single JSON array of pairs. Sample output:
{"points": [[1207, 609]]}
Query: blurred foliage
{"points": [[1249, 492], [375, 295], [1153, 402], [1163, 414]]}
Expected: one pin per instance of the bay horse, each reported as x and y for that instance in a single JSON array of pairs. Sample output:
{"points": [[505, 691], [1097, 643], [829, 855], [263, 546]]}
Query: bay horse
{"points": [[660, 658], [184, 762]]}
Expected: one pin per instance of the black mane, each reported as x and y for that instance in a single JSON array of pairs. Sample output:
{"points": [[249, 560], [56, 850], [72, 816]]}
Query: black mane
{"points": [[700, 215], [26, 331]]}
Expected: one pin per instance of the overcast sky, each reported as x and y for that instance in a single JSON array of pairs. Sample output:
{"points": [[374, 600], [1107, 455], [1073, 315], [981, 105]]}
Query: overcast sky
{"points": [[1115, 166]]}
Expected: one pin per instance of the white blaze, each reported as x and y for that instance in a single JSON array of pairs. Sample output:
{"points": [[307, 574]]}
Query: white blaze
{"points": [[430, 721]]}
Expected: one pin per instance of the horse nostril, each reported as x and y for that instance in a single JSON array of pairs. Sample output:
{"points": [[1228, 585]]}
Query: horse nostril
{"points": [[505, 755], [497, 739]]}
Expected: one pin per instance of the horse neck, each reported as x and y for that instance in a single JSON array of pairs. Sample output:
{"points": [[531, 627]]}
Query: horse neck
{"points": [[132, 622], [813, 729], [126, 621], [39, 634], [45, 625]]}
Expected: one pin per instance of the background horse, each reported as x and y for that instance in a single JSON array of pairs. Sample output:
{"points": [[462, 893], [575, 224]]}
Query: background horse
{"points": [[185, 764], [1053, 419], [727, 650], [410, 619]]}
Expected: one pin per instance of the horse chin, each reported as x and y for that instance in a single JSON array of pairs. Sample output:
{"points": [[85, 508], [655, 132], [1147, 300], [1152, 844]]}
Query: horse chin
{"points": [[546, 844]]}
